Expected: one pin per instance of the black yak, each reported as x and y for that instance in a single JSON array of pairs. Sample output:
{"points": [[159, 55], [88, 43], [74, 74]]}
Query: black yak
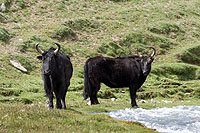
{"points": [[127, 71], [56, 73]]}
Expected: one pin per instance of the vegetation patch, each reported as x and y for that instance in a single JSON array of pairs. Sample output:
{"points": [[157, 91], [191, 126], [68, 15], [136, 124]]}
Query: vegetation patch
{"points": [[137, 41], [3, 19], [26, 101], [29, 44], [106, 94], [76, 84], [197, 93], [177, 71], [69, 30], [21, 4], [34, 90], [150, 95], [190, 55], [66, 50], [82, 24], [119, 0], [4, 35], [63, 32], [131, 122], [172, 30], [10, 92], [76, 87]]}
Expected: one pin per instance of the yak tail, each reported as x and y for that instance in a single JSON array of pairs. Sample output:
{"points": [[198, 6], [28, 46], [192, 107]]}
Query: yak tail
{"points": [[87, 84]]}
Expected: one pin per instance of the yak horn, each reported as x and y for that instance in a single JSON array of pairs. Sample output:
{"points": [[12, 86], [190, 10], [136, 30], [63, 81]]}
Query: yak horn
{"points": [[154, 51], [58, 49], [38, 49]]}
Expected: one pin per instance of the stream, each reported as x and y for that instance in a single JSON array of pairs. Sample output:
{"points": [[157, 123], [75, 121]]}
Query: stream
{"points": [[178, 119]]}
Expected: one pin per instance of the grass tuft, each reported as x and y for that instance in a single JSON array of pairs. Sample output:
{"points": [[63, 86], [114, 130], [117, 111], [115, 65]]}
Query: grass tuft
{"points": [[137, 42], [5, 36], [178, 71], [190, 55]]}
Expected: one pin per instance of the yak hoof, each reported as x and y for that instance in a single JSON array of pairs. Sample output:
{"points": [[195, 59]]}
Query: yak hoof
{"points": [[94, 103], [50, 107], [59, 107], [134, 106]]}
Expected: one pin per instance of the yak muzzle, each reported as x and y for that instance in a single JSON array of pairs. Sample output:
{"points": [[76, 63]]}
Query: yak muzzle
{"points": [[47, 72], [145, 73]]}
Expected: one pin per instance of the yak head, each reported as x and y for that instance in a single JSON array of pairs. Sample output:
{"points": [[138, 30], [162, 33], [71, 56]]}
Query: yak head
{"points": [[146, 62], [48, 58]]}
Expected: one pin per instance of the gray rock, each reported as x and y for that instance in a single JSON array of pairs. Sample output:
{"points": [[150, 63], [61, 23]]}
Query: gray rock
{"points": [[18, 65]]}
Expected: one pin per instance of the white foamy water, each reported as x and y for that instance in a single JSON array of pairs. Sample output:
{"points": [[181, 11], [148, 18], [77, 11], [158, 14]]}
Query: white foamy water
{"points": [[179, 119]]}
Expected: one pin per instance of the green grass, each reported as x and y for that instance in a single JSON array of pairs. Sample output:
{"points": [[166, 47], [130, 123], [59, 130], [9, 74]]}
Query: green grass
{"points": [[22, 118], [87, 28], [4, 35]]}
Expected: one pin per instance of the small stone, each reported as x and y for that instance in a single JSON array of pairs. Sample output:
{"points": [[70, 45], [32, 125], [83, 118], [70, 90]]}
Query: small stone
{"points": [[89, 103], [165, 101], [123, 91], [113, 99], [3, 7], [152, 100], [142, 101]]}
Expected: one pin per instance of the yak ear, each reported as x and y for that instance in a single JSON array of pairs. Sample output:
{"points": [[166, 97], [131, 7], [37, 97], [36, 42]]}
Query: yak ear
{"points": [[39, 57]]}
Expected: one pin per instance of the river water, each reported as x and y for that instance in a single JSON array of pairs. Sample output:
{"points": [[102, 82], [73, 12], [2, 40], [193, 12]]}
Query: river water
{"points": [[179, 119]]}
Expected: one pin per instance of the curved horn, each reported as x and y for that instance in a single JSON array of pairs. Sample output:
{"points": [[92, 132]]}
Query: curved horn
{"points": [[58, 49], [154, 51], [38, 49]]}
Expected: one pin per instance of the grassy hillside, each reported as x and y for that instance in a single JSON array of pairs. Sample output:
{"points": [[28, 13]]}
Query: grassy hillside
{"points": [[87, 28]]}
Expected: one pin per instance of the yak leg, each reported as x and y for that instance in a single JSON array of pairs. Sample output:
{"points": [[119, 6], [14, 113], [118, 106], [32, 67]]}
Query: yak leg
{"points": [[49, 94], [93, 97], [63, 98], [133, 88], [63, 102], [58, 99], [58, 103], [51, 100]]}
